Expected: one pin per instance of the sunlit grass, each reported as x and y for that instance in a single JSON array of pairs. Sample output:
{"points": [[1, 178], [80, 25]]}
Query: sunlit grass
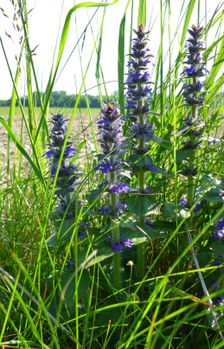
{"points": [[42, 303]]}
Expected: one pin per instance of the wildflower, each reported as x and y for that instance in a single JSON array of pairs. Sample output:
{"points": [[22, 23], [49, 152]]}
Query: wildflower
{"points": [[195, 68], [138, 80], [193, 127], [111, 164], [139, 98], [112, 144], [68, 173]]}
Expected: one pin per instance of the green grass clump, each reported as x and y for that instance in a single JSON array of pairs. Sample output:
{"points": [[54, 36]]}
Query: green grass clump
{"points": [[57, 289]]}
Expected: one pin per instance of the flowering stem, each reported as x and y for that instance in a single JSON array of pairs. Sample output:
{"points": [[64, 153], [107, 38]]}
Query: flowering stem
{"points": [[139, 97], [110, 127], [193, 100], [190, 202]]}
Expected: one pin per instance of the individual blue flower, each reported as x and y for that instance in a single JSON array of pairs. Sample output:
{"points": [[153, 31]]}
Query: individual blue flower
{"points": [[105, 167], [128, 243], [49, 154], [121, 206], [105, 209], [119, 188], [117, 246], [220, 223], [131, 104], [198, 206], [69, 151], [218, 234], [182, 202], [153, 168], [219, 231], [53, 171], [142, 131]]}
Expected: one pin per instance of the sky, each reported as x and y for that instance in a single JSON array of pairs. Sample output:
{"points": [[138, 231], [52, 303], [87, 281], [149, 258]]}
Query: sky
{"points": [[45, 24]]}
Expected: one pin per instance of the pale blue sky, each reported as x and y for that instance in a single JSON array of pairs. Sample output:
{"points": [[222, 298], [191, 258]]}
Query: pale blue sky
{"points": [[45, 20]]}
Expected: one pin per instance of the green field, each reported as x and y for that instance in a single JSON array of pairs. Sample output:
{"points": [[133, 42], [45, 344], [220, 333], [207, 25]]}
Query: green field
{"points": [[4, 111]]}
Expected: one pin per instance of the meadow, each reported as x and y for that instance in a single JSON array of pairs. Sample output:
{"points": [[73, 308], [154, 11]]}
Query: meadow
{"points": [[112, 225]]}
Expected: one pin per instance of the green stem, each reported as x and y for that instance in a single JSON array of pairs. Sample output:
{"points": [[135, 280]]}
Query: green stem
{"points": [[116, 274], [141, 178], [190, 188]]}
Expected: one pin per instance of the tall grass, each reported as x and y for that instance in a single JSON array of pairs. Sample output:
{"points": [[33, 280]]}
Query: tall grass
{"points": [[57, 293]]}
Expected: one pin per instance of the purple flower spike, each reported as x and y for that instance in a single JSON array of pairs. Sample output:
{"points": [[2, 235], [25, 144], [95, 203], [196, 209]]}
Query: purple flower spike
{"points": [[194, 68], [67, 174], [139, 97], [193, 95]]}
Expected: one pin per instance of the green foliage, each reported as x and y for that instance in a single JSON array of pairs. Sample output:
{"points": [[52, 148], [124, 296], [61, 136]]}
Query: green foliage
{"points": [[55, 289], [141, 205]]}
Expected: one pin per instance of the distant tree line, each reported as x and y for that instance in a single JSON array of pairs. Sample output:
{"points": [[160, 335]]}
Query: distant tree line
{"points": [[60, 99]]}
